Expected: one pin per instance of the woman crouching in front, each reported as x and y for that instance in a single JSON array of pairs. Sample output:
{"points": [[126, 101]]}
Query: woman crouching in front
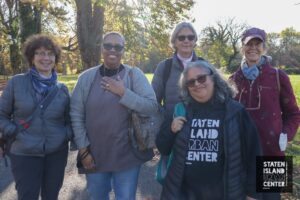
{"points": [[214, 143]]}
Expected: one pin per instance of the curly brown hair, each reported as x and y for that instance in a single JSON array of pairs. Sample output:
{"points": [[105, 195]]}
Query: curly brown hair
{"points": [[37, 41]]}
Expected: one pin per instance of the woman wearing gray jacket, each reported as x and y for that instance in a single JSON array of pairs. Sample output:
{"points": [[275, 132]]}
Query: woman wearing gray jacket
{"points": [[100, 114], [34, 114]]}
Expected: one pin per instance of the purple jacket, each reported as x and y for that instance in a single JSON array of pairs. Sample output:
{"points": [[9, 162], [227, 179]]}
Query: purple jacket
{"points": [[273, 109]]}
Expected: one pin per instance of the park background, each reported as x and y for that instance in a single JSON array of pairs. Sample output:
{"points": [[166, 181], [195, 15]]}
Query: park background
{"points": [[78, 26]]}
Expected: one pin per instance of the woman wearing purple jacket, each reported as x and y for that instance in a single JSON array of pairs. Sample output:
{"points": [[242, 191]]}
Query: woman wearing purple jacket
{"points": [[267, 94]]}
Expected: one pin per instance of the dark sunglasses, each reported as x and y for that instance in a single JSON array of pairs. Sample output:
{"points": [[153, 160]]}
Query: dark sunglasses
{"points": [[183, 37], [109, 47], [200, 79]]}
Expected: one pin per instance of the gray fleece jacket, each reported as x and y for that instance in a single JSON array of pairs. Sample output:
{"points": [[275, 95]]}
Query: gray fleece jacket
{"points": [[142, 99]]}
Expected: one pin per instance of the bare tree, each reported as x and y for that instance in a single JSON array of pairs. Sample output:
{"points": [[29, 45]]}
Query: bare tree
{"points": [[219, 43]]}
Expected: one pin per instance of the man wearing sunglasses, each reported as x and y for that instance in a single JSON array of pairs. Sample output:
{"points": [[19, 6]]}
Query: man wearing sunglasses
{"points": [[100, 106]]}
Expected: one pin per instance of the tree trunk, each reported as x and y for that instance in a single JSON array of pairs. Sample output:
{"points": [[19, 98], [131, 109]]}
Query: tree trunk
{"points": [[90, 21], [30, 24], [30, 20]]}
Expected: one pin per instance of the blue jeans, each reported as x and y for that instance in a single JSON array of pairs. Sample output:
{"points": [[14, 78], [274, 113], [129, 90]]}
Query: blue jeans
{"points": [[124, 184]]}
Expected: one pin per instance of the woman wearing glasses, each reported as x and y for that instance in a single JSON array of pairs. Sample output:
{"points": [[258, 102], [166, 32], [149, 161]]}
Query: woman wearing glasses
{"points": [[100, 109], [34, 115], [267, 95], [183, 41], [213, 140]]}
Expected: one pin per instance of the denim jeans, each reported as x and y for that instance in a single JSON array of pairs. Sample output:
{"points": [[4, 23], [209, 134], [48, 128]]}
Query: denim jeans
{"points": [[124, 184]]}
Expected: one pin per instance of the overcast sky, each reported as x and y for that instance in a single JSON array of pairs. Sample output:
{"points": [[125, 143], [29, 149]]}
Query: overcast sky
{"points": [[270, 15]]}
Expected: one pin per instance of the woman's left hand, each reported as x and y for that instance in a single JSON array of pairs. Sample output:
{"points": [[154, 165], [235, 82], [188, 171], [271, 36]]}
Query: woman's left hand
{"points": [[114, 86]]}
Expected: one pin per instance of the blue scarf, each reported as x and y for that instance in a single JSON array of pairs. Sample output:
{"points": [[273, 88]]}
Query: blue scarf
{"points": [[42, 85], [252, 72]]}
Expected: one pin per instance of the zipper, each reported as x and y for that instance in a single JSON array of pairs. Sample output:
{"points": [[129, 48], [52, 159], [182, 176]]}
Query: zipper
{"points": [[250, 93]]}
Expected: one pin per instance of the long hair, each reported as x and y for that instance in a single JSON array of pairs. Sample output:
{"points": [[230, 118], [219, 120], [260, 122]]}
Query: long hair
{"points": [[222, 89]]}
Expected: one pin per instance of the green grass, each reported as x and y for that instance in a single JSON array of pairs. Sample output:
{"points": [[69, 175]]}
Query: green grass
{"points": [[70, 81]]}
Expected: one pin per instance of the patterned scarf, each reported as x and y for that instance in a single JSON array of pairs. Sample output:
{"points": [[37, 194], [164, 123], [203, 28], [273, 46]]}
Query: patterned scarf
{"points": [[42, 85], [252, 72]]}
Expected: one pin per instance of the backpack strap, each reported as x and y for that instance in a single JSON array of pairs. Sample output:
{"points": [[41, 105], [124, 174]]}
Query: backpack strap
{"points": [[166, 74], [278, 80]]}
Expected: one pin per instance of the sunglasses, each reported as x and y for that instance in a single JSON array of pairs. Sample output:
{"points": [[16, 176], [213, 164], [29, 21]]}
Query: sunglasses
{"points": [[200, 79], [109, 47], [183, 37]]}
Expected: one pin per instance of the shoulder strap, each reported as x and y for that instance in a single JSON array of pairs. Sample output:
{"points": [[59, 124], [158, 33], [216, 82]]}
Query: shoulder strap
{"points": [[200, 58], [278, 79], [166, 74], [43, 104], [179, 110], [130, 73]]}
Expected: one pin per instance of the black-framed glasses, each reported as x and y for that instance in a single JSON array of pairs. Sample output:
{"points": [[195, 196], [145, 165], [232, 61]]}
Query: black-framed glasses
{"points": [[202, 78], [109, 47], [183, 37]]}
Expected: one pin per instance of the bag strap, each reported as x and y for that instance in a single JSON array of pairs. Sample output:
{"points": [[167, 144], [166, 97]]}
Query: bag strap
{"points": [[130, 73], [166, 74], [43, 104], [278, 79]]}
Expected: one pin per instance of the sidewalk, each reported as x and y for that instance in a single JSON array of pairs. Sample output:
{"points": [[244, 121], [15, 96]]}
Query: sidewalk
{"points": [[74, 184]]}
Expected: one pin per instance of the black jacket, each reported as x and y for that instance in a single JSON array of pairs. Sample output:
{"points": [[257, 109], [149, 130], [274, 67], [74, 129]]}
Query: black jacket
{"points": [[241, 145]]}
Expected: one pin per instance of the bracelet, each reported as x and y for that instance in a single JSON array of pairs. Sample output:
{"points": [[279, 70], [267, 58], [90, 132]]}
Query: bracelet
{"points": [[84, 155]]}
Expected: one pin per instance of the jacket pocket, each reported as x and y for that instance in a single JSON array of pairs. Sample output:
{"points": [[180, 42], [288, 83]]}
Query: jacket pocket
{"points": [[27, 143]]}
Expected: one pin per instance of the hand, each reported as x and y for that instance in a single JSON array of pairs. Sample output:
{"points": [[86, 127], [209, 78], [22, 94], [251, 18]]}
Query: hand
{"points": [[86, 160], [249, 198], [283, 141], [114, 86], [177, 124]]}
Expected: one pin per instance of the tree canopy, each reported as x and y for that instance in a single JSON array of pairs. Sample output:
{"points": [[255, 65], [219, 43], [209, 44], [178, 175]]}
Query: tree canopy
{"points": [[79, 25]]}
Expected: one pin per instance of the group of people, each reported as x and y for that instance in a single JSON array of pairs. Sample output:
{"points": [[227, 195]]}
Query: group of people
{"points": [[214, 143]]}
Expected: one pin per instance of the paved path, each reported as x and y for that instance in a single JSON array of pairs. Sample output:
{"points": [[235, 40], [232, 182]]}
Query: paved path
{"points": [[74, 184]]}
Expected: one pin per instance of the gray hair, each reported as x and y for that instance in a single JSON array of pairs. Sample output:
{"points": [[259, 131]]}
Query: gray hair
{"points": [[114, 33], [222, 89], [178, 28]]}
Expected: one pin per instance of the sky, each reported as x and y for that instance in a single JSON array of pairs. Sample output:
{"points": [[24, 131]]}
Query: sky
{"points": [[270, 15]]}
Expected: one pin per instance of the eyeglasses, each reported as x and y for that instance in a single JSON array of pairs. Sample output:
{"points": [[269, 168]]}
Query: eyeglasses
{"points": [[202, 78], [109, 47], [183, 37], [50, 54]]}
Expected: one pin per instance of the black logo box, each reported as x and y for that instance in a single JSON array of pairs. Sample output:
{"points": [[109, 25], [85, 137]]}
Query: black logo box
{"points": [[274, 174]]}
